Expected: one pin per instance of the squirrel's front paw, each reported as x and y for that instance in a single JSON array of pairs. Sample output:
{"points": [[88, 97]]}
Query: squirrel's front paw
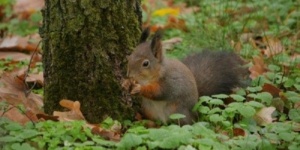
{"points": [[136, 89]]}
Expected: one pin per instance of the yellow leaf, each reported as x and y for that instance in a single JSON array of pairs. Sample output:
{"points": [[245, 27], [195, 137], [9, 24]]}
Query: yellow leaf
{"points": [[166, 11]]}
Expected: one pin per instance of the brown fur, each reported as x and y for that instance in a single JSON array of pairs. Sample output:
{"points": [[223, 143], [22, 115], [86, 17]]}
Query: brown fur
{"points": [[216, 71], [166, 85], [151, 90]]}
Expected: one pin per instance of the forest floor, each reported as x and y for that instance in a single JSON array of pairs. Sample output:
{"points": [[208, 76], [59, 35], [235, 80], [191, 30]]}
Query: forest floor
{"points": [[264, 115]]}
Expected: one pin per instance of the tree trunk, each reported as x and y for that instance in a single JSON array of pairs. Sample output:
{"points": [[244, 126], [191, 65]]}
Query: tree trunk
{"points": [[84, 47]]}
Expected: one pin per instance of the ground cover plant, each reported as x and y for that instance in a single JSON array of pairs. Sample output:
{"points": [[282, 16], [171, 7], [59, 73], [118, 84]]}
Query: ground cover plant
{"points": [[263, 115]]}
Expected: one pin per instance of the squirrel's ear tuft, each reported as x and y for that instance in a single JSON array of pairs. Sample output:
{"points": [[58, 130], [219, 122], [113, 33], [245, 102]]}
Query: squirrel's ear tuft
{"points": [[145, 35], [156, 45]]}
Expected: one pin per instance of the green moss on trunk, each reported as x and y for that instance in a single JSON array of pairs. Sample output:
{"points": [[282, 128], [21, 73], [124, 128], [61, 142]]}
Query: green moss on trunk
{"points": [[84, 44]]}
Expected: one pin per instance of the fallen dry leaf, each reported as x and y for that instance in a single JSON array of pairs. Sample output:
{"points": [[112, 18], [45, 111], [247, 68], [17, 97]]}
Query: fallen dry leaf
{"points": [[169, 44], [18, 43], [14, 114], [258, 68], [154, 28], [172, 23], [73, 114], [106, 134], [189, 10], [274, 47], [239, 132], [237, 46], [176, 23], [113, 134], [14, 92], [271, 89], [32, 80], [264, 116], [24, 8], [35, 79], [269, 46], [246, 37], [43, 116], [1, 12], [14, 56]]}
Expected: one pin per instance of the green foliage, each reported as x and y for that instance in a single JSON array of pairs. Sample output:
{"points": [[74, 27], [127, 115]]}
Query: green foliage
{"points": [[201, 135], [216, 26], [220, 23], [13, 25], [8, 64], [49, 135], [243, 110]]}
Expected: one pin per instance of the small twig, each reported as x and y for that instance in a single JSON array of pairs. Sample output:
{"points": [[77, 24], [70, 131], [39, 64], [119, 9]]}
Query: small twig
{"points": [[27, 72], [6, 110], [13, 106]]}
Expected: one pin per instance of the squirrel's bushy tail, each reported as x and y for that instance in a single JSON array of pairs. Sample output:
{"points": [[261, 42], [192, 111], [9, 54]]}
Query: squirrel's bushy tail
{"points": [[216, 71]]}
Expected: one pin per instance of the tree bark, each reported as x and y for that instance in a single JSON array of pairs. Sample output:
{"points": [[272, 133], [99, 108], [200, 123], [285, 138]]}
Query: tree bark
{"points": [[84, 47]]}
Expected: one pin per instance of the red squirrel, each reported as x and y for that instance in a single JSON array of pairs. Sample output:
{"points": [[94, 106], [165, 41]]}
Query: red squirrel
{"points": [[169, 86]]}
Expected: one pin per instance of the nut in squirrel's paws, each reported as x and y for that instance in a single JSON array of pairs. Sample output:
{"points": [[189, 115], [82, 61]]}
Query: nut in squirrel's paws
{"points": [[136, 89], [131, 85], [126, 84]]}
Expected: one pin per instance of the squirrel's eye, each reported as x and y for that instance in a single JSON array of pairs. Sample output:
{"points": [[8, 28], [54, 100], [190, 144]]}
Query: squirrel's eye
{"points": [[146, 63]]}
